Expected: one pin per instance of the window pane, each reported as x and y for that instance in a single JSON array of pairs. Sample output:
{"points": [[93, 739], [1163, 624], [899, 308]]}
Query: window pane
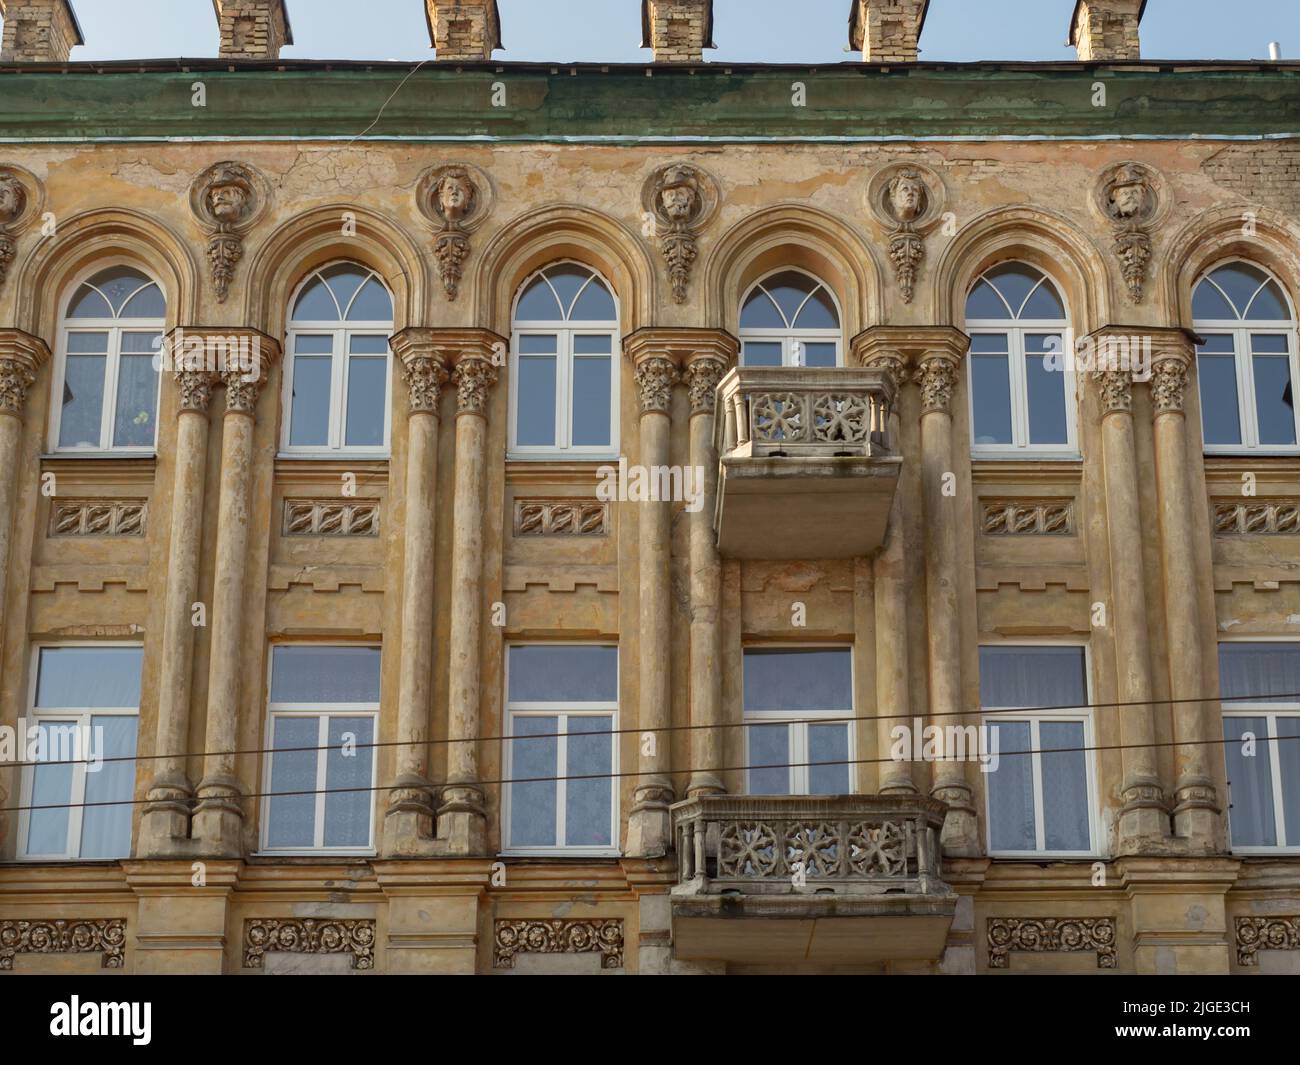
{"points": [[373, 304], [1045, 386], [818, 312], [588, 803], [989, 344], [1209, 305], [310, 419], [119, 283], [535, 401], [567, 279], [532, 801], [316, 304], [367, 344], [818, 354], [552, 673], [1274, 403], [1265, 672], [1219, 411], [762, 353], [1045, 304], [106, 830], [769, 759], [1288, 761], [1268, 343], [1269, 305], [347, 813], [1015, 281], [47, 830], [828, 743], [291, 819], [89, 677], [135, 420], [147, 303], [321, 674], [1032, 677], [984, 303], [313, 344], [537, 304], [367, 398], [798, 680], [1250, 783], [87, 343], [88, 303], [344, 280], [990, 380], [83, 401], [592, 344], [595, 304], [761, 313], [1240, 281], [788, 290], [1065, 786], [1011, 789], [591, 401]]}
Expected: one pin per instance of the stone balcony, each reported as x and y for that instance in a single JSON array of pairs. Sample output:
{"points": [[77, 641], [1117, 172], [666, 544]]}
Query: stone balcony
{"points": [[831, 880], [806, 465]]}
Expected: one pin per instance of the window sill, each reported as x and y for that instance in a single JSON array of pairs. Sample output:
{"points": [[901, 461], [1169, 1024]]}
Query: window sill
{"points": [[317, 855], [336, 456], [560, 853], [1046, 856], [1025, 456]]}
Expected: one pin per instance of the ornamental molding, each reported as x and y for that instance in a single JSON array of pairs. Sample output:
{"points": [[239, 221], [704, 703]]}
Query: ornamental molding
{"points": [[679, 202], [1261, 517], [1115, 387], [1050, 935], [227, 199], [267, 935], [456, 198], [195, 387], [1131, 196], [1265, 933], [329, 517], [512, 938], [898, 349], [907, 200], [1168, 386], [703, 373], [98, 517], [22, 198], [474, 377], [655, 377], [1052, 517], [105, 936], [21, 356], [937, 376], [561, 517]]}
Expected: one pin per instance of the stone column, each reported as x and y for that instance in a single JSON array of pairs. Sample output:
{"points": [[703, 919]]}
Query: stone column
{"points": [[164, 825], [704, 369], [936, 374], [1196, 809], [1142, 818], [408, 822], [462, 817], [21, 356], [219, 815], [648, 832]]}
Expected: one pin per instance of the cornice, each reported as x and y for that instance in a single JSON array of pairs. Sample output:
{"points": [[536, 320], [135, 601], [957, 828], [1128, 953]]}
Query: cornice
{"points": [[444, 345], [681, 344], [910, 343]]}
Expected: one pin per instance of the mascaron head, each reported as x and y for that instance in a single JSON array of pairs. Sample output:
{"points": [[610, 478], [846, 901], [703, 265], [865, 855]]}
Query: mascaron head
{"points": [[679, 194]]}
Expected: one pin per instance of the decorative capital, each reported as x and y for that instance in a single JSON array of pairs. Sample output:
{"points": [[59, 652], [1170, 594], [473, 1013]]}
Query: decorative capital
{"points": [[1116, 390], [702, 376], [196, 389], [655, 377], [425, 375], [664, 349], [21, 355], [426, 354], [474, 376], [1168, 385], [937, 376], [896, 349]]}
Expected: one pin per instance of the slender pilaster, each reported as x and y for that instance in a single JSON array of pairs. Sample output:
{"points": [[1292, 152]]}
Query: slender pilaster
{"points": [[704, 369], [462, 817], [164, 825], [1196, 807], [219, 815], [1142, 820]]}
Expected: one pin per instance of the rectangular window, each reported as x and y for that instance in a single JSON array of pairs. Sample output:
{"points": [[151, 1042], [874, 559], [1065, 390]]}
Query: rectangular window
{"points": [[1040, 797], [81, 730], [1021, 397], [1247, 389], [320, 772], [1261, 732], [338, 391], [564, 398], [789, 751], [561, 751]]}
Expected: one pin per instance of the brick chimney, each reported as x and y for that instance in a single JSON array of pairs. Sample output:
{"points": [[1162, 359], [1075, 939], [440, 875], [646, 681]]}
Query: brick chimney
{"points": [[252, 29], [38, 31], [465, 31], [678, 31], [887, 31], [1107, 29]]}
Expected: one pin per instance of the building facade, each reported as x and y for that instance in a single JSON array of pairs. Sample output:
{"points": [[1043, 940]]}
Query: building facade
{"points": [[560, 518]]}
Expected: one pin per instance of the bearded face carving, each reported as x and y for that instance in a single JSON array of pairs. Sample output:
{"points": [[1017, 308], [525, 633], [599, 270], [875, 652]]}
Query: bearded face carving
{"points": [[1127, 195], [13, 199], [228, 203], [225, 199], [680, 197]]}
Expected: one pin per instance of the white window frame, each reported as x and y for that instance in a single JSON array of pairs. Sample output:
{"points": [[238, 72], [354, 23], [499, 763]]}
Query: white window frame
{"points": [[1243, 361], [562, 710], [323, 711], [114, 327], [1015, 330], [1271, 711], [564, 331], [797, 722], [341, 333], [994, 715], [77, 796], [791, 338]]}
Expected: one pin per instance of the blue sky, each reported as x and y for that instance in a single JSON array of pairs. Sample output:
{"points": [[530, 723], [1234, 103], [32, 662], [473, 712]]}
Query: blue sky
{"points": [[747, 30]]}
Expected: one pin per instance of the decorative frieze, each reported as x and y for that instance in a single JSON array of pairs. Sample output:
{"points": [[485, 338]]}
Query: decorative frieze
{"points": [[561, 517], [105, 936], [1264, 517], [98, 517], [1265, 933], [292, 935], [1051, 935], [331, 517], [1031, 517], [515, 937]]}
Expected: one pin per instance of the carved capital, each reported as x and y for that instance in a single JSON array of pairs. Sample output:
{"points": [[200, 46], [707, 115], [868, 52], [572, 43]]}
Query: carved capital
{"points": [[425, 375], [1168, 386], [655, 377], [937, 376], [702, 376], [474, 377], [21, 355], [893, 365], [1115, 387], [195, 389]]}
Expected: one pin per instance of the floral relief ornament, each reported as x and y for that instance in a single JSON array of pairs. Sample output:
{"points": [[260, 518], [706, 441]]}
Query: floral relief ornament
{"points": [[680, 200], [907, 199], [1129, 196], [226, 199], [456, 198], [20, 202]]}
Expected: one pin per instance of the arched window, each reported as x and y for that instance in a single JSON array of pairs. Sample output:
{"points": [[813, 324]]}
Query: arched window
{"points": [[564, 376], [1247, 360], [1021, 391], [790, 318], [337, 379], [106, 386]]}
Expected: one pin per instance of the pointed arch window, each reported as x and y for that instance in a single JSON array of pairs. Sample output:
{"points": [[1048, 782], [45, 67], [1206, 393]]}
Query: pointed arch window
{"points": [[106, 380], [563, 365], [1246, 361], [1022, 394], [339, 370], [790, 318]]}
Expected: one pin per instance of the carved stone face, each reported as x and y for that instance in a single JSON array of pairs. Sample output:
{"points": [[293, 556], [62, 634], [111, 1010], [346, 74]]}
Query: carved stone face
{"points": [[1128, 201], [679, 202], [228, 202], [455, 197], [907, 197], [13, 198]]}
